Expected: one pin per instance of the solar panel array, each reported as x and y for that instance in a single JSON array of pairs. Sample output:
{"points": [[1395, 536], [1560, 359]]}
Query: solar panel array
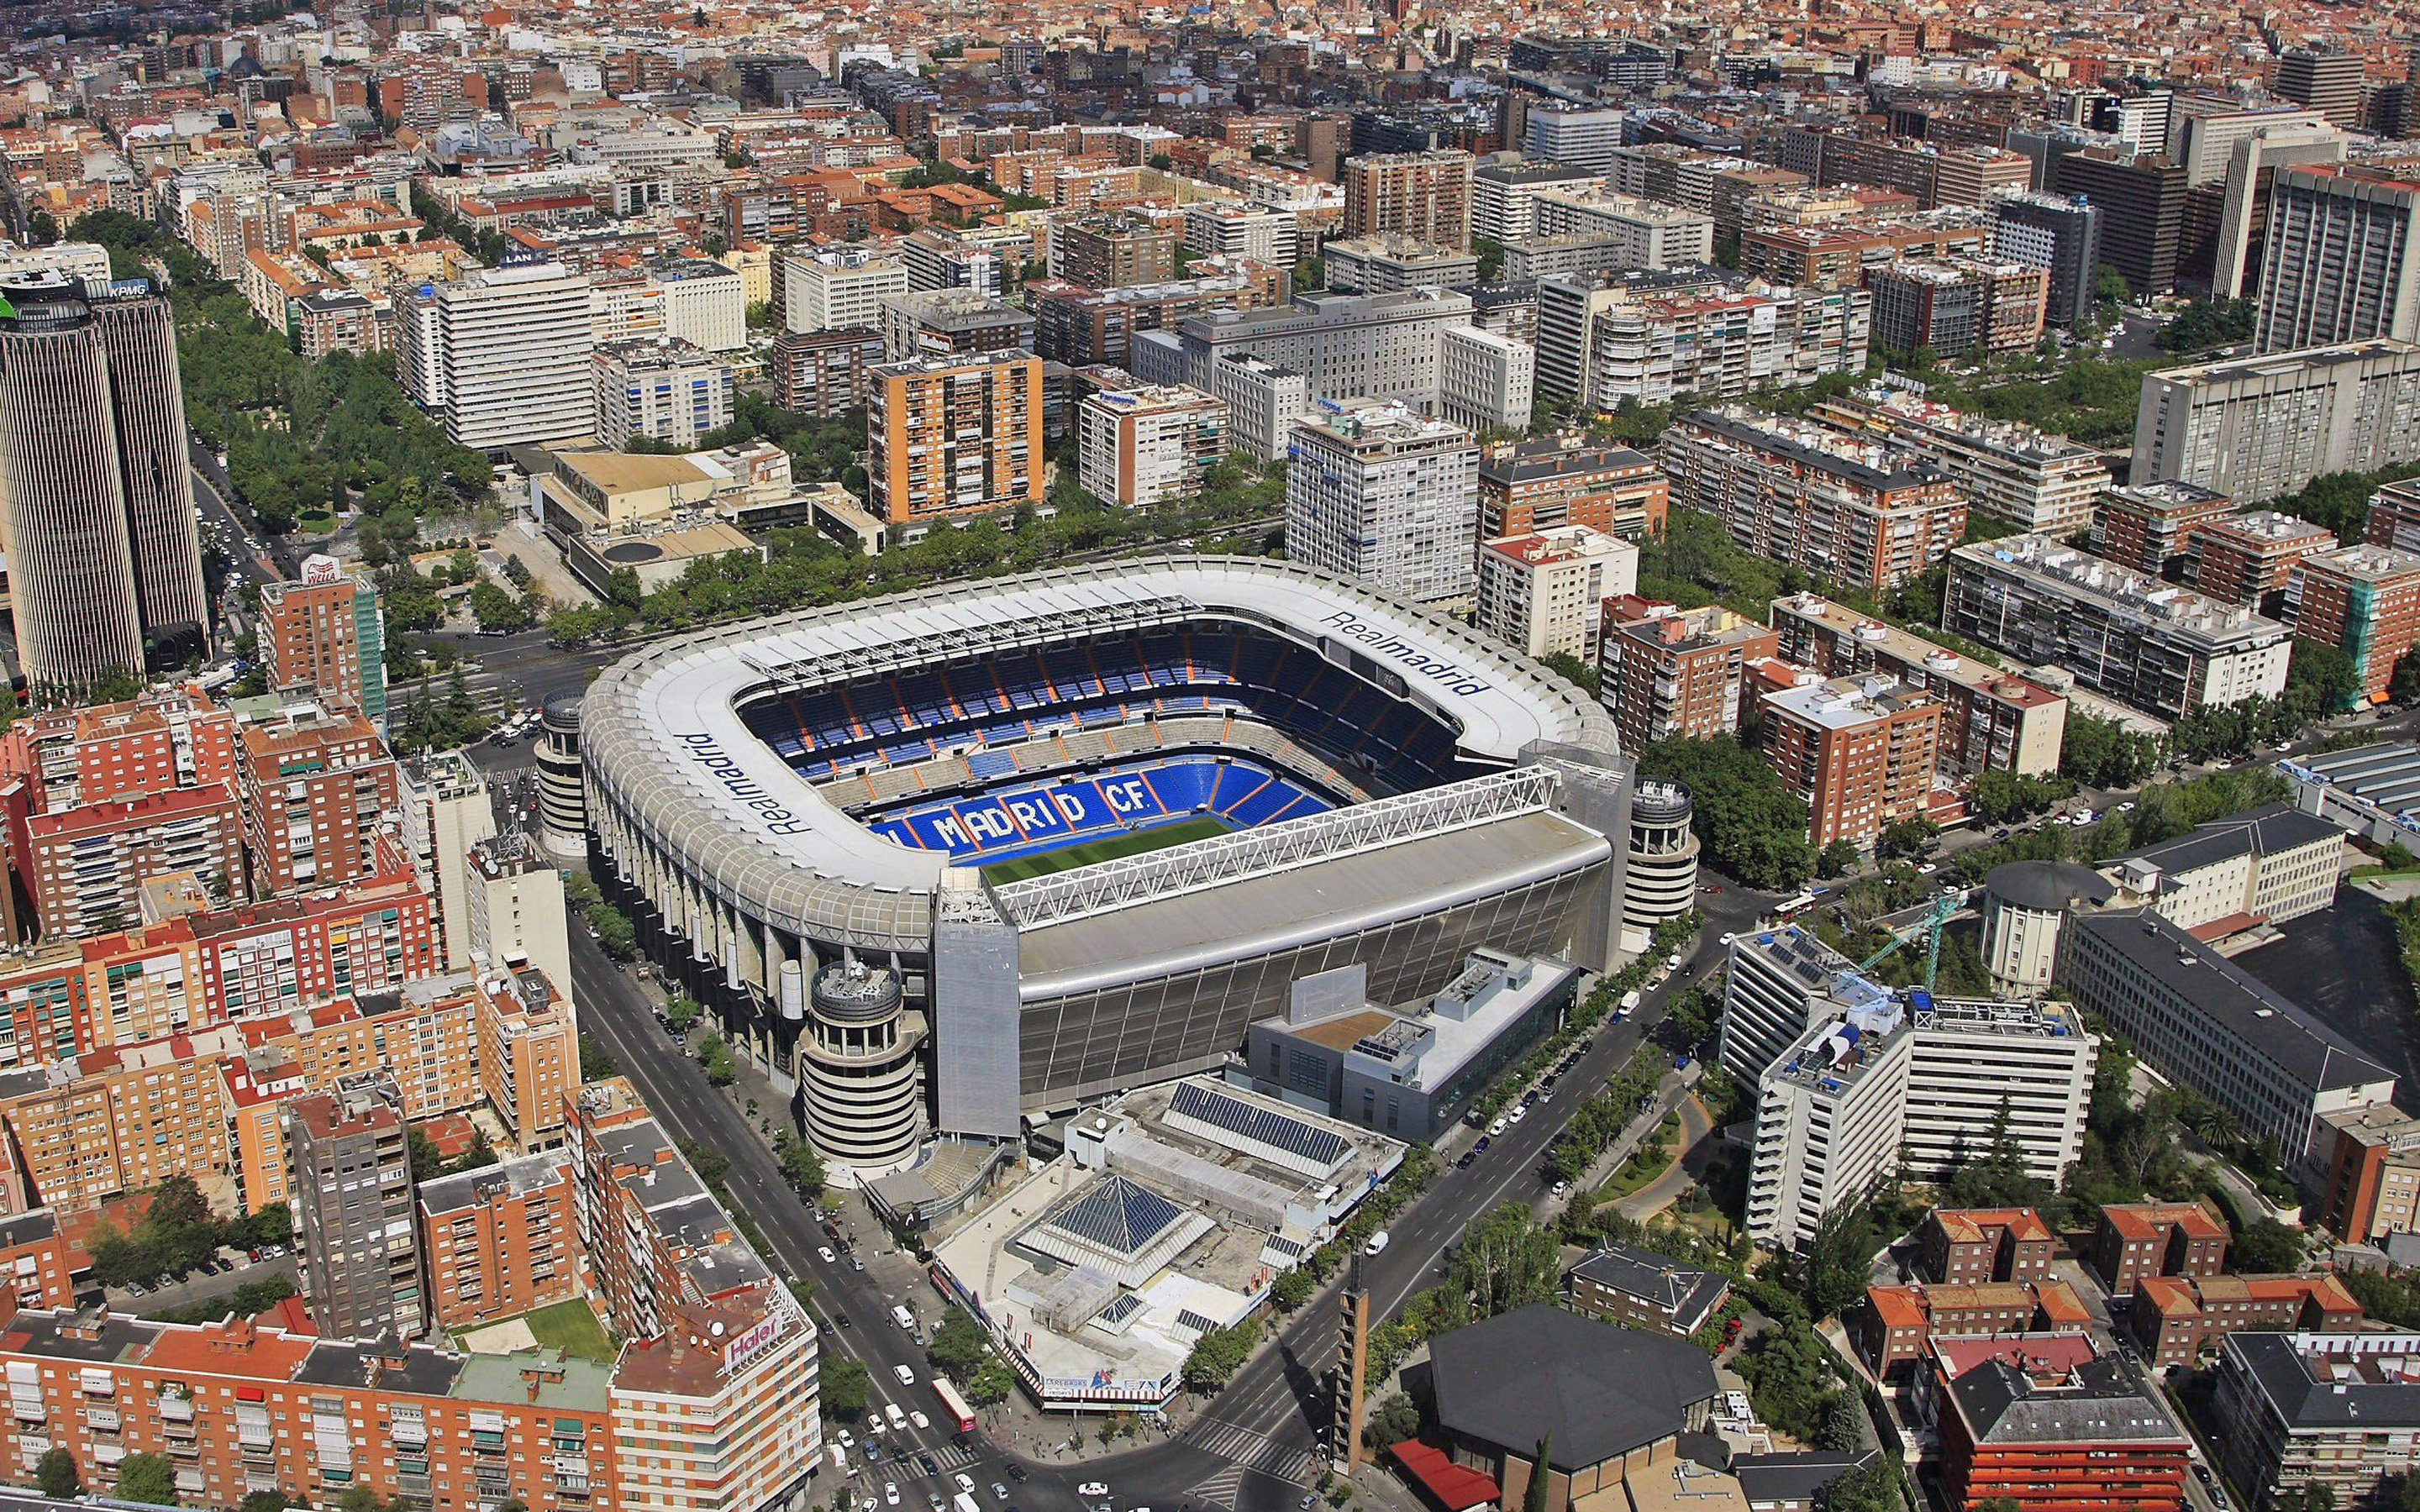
{"points": [[1260, 1125], [1119, 1311], [1116, 1215]]}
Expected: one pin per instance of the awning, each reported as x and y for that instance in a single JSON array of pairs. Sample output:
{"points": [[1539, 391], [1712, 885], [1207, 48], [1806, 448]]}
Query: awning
{"points": [[1454, 1487]]}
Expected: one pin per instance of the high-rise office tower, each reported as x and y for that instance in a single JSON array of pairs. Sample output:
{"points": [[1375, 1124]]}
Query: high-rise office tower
{"points": [[1575, 138], [2250, 180], [2058, 235], [1426, 196], [2142, 203], [2339, 265], [2328, 81], [96, 501]]}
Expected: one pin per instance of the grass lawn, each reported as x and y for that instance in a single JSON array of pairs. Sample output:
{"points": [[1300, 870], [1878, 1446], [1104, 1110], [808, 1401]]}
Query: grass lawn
{"points": [[1108, 848], [569, 1326]]}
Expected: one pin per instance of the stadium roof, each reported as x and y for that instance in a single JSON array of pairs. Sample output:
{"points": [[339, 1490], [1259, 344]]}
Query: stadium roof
{"points": [[661, 731]]}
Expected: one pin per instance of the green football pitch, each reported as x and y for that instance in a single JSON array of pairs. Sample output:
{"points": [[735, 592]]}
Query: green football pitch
{"points": [[1108, 848]]}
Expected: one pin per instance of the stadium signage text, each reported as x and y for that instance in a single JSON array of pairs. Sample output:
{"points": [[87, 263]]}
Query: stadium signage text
{"points": [[735, 779], [1414, 659]]}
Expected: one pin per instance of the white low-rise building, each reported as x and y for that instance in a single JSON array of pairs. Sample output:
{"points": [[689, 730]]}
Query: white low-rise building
{"points": [[1546, 592]]}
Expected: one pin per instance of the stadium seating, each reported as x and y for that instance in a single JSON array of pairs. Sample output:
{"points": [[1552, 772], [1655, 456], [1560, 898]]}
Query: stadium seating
{"points": [[1032, 816], [1030, 694]]}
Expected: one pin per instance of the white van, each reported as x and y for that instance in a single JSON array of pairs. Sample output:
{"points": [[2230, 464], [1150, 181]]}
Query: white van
{"points": [[1377, 1244], [904, 1319], [898, 1419]]}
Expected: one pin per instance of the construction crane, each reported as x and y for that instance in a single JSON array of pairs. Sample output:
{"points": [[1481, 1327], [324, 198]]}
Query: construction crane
{"points": [[1929, 927]]}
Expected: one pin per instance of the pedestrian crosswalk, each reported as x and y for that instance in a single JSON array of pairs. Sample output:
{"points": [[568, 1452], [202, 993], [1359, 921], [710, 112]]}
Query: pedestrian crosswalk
{"points": [[953, 1457], [1245, 1451]]}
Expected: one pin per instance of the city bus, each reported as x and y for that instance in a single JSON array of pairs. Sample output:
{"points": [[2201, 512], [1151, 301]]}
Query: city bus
{"points": [[955, 1409]]}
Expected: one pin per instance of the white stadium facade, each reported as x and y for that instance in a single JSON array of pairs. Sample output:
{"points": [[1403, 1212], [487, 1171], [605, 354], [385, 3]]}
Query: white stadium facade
{"points": [[868, 786]]}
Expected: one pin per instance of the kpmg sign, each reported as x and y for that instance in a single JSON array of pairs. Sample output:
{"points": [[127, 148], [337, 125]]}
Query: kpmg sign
{"points": [[1454, 679], [703, 750]]}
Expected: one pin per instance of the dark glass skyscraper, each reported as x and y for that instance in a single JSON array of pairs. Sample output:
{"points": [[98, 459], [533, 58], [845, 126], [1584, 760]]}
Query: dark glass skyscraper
{"points": [[96, 498]]}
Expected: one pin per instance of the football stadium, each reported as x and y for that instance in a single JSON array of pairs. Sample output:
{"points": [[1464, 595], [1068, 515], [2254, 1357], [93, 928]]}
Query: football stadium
{"points": [[1096, 821]]}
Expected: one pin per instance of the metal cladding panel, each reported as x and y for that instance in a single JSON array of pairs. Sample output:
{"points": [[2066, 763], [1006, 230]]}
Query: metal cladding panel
{"points": [[975, 1011]]}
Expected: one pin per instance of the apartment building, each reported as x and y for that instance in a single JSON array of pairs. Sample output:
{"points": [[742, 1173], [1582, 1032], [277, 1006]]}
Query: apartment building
{"points": [[841, 289], [316, 788], [1527, 487], [1262, 400], [1387, 262], [85, 866], [661, 389], [2040, 1421], [2202, 1021], [321, 637], [1935, 175], [2161, 648], [1898, 1322], [1504, 195], [2249, 559], [1345, 346], [1082, 326], [1140, 446], [1639, 233], [2393, 517], [1216, 228], [2339, 264], [953, 436], [1851, 509], [1640, 1289], [511, 349], [1860, 751], [2010, 471], [2134, 1240], [2364, 601], [1485, 381], [1716, 343], [1991, 720], [2256, 427], [2150, 527], [1578, 136], [1889, 1085], [1378, 493], [1668, 673], [500, 1239], [1976, 1245], [2373, 1184], [210, 1103], [825, 373], [2177, 1320], [2143, 198], [1424, 195], [353, 1216], [1957, 305], [2308, 1411], [1545, 592], [1840, 255], [946, 322], [1111, 251]]}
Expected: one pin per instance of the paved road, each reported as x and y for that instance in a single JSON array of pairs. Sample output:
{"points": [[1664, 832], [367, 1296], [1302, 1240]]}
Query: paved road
{"points": [[1666, 1189]]}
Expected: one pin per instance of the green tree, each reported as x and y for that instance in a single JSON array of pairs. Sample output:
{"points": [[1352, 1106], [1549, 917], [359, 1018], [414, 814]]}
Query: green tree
{"points": [[1217, 1354], [1748, 822], [681, 1013], [958, 1346], [1908, 837], [1392, 1422], [55, 1475], [991, 1382], [1533, 1497], [616, 935], [1837, 859], [262, 1502], [802, 1169], [148, 1478], [1506, 1260], [715, 1057], [844, 1389], [2265, 1248]]}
